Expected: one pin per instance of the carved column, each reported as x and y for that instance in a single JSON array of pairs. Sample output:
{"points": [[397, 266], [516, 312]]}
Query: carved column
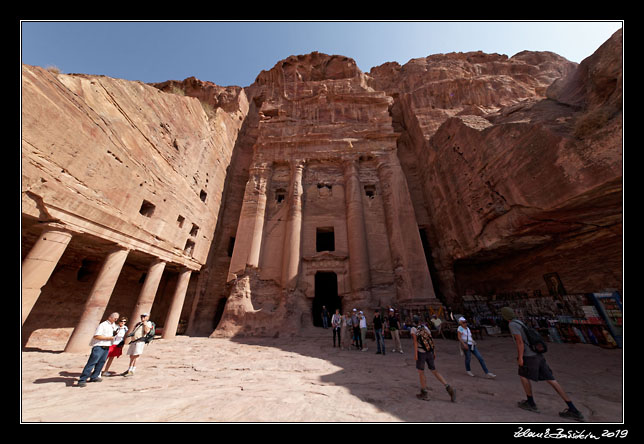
{"points": [[174, 313], [357, 238], [291, 255], [39, 264], [410, 265], [97, 301], [248, 240], [148, 292]]}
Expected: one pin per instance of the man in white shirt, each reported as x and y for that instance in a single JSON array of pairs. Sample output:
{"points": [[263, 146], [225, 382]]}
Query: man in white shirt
{"points": [[100, 344]]}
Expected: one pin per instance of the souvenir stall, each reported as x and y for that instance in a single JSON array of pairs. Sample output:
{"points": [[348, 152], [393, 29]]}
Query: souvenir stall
{"points": [[593, 318]]}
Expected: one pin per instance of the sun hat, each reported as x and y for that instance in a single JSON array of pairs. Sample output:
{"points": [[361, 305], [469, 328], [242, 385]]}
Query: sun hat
{"points": [[462, 319], [507, 313]]}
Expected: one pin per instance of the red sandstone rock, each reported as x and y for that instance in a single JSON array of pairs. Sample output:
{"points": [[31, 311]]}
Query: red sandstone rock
{"points": [[510, 166]]}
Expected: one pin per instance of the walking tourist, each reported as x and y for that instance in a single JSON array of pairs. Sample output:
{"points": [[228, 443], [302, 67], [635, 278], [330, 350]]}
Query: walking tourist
{"points": [[533, 367], [116, 349], [100, 344], [336, 323], [137, 345], [468, 344], [394, 329], [378, 331], [425, 352]]}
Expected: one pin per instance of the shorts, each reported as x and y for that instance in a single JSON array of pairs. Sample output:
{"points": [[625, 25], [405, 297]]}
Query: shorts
{"points": [[136, 348], [536, 368], [115, 351], [423, 357]]}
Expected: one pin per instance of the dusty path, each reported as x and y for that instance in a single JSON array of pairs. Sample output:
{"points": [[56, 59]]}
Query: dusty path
{"points": [[305, 379]]}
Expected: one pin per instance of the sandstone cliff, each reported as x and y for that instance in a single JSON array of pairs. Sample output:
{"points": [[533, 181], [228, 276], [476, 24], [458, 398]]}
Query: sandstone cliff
{"points": [[487, 170], [515, 178]]}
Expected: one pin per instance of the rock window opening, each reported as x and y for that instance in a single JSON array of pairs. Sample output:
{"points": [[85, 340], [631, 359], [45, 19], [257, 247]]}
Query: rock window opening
{"points": [[194, 230], [147, 209], [370, 191], [203, 195], [325, 239], [280, 195], [189, 248], [180, 221], [325, 190]]}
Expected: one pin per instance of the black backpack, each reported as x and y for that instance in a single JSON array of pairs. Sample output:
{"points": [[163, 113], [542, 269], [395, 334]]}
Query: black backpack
{"points": [[535, 340], [146, 338]]}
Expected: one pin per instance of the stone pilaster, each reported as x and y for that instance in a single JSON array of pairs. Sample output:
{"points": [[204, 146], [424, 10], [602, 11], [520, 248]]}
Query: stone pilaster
{"points": [[291, 255], [248, 240], [97, 301], [410, 265], [39, 264], [359, 268], [148, 292], [174, 313]]}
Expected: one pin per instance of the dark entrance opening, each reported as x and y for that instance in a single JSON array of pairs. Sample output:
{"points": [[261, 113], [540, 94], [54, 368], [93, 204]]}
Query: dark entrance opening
{"points": [[326, 294], [219, 312], [433, 272]]}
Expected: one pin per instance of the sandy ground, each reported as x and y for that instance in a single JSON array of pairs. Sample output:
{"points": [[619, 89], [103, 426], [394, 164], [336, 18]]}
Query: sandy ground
{"points": [[306, 379]]}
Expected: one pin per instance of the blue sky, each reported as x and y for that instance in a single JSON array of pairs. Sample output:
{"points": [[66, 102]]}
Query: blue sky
{"points": [[234, 52]]}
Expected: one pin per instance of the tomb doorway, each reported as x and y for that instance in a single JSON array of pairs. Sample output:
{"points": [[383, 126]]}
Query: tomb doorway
{"points": [[326, 294]]}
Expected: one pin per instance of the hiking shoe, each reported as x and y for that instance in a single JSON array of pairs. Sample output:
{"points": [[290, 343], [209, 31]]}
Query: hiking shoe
{"points": [[96, 380], [423, 395], [576, 415], [451, 392], [469, 373], [490, 375], [82, 384], [525, 405], [128, 374]]}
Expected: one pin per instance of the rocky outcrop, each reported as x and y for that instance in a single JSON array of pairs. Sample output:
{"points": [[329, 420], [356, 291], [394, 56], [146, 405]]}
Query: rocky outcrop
{"points": [[516, 178]]}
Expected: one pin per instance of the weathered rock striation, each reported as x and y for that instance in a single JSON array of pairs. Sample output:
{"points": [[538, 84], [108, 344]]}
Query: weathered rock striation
{"points": [[320, 184]]}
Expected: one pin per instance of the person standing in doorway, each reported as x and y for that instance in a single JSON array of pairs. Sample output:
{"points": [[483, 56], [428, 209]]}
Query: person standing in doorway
{"points": [[325, 317], [100, 344], [533, 367], [468, 344], [336, 324], [425, 353]]}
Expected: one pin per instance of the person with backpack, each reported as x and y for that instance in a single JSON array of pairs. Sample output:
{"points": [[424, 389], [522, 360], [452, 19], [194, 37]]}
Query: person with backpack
{"points": [[425, 352], [468, 344], [533, 365], [140, 336]]}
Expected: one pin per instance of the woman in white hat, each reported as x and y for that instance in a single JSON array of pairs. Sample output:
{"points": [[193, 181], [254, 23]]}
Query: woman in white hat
{"points": [[468, 344]]}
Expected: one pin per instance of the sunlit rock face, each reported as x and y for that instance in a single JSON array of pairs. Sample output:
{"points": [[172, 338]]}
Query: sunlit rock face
{"points": [[320, 184]]}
